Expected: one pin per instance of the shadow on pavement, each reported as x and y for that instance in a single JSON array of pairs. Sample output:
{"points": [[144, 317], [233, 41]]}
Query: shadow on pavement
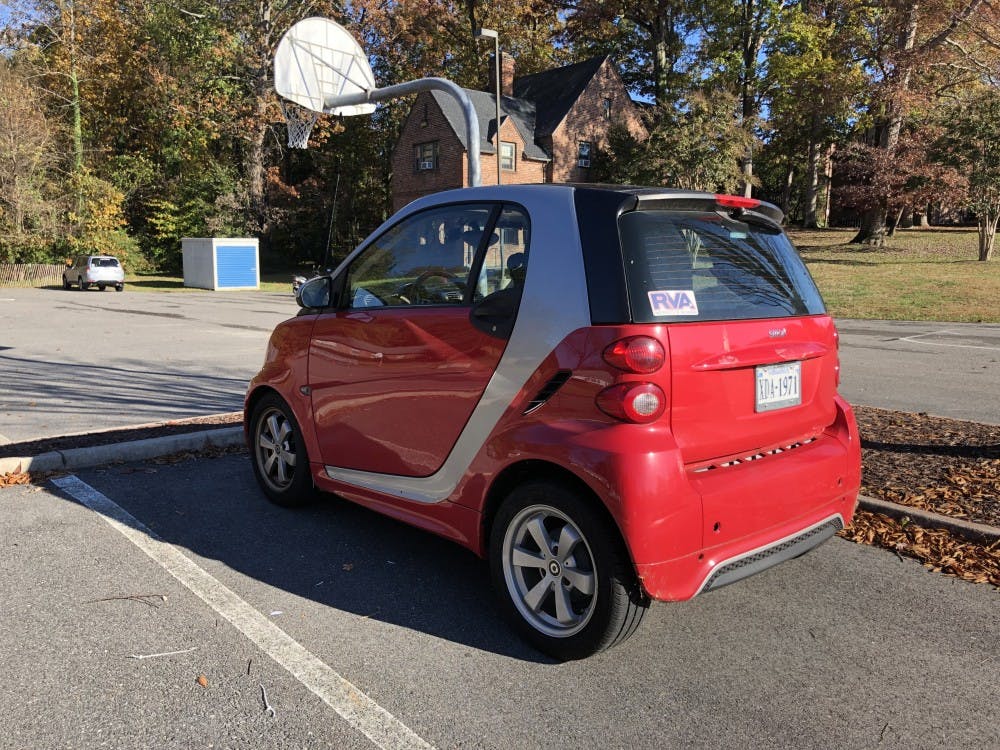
{"points": [[333, 552]]}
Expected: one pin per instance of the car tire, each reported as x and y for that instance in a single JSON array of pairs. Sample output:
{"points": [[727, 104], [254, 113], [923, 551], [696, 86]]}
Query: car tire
{"points": [[119, 287], [81, 284], [278, 454], [66, 284], [568, 603], [102, 287]]}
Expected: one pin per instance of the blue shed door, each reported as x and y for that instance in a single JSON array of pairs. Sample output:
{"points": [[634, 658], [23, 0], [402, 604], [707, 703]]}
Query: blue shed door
{"points": [[236, 265]]}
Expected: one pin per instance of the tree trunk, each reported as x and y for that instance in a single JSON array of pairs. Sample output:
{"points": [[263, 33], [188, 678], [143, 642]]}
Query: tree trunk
{"points": [[872, 231], [987, 233], [786, 193], [261, 84], [828, 184], [809, 220]]}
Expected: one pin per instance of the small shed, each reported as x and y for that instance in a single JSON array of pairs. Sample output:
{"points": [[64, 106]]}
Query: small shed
{"points": [[221, 262]]}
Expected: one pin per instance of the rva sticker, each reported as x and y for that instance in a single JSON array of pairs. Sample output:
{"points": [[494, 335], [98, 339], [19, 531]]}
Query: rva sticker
{"points": [[673, 302]]}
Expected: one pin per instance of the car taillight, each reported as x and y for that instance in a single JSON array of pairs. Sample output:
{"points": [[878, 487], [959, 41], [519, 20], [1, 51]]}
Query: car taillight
{"points": [[641, 355], [640, 403], [736, 201]]}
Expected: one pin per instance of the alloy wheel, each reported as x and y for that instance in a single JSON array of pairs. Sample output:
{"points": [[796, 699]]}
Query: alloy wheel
{"points": [[549, 570], [275, 446]]}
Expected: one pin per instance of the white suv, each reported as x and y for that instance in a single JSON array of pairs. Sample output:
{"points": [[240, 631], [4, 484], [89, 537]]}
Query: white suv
{"points": [[102, 270]]}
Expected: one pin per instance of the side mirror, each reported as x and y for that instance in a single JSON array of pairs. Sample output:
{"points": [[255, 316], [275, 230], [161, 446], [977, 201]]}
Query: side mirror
{"points": [[315, 293], [69, 263]]}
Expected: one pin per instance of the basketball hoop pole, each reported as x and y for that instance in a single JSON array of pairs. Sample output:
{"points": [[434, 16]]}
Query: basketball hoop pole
{"points": [[415, 87]]}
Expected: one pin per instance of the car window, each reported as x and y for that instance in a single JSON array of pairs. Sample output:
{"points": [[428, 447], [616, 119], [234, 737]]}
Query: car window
{"points": [[104, 262], [687, 266], [426, 259], [506, 261]]}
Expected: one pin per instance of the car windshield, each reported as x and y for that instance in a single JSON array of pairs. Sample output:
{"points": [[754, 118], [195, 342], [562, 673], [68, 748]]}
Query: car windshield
{"points": [[104, 262], [694, 266]]}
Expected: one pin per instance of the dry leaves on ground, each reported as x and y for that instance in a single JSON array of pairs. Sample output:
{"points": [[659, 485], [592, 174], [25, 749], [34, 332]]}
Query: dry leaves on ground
{"points": [[937, 549], [14, 478]]}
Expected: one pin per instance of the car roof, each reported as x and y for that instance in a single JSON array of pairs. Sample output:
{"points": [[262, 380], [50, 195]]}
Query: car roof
{"points": [[643, 194]]}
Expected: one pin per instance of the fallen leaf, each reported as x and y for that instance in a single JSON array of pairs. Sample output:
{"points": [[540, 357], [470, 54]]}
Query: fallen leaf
{"points": [[202, 680]]}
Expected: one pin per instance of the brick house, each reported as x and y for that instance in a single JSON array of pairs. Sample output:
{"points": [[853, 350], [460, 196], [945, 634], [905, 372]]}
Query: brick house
{"points": [[550, 123]]}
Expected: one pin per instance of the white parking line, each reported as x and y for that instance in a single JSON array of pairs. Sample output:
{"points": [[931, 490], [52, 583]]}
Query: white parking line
{"points": [[914, 339], [360, 711]]}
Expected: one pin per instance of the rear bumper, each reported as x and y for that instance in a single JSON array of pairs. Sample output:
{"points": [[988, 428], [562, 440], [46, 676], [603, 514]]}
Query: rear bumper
{"points": [[752, 516]]}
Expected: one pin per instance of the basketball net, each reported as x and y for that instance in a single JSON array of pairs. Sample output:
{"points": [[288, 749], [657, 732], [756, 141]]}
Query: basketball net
{"points": [[300, 122]]}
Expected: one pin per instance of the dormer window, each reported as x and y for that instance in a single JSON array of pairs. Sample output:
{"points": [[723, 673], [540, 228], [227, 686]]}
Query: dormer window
{"points": [[425, 157]]}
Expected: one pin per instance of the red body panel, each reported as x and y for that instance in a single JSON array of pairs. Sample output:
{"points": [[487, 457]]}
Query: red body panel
{"points": [[680, 512], [392, 389]]}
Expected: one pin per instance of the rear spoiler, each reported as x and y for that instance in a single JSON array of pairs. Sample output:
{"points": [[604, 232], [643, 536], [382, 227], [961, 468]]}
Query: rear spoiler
{"points": [[733, 204]]}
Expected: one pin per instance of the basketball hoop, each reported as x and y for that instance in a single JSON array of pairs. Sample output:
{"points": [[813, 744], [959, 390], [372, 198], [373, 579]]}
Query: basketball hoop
{"points": [[300, 123]]}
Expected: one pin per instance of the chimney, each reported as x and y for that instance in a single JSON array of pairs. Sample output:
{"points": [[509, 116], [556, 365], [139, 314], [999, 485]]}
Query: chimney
{"points": [[507, 67]]}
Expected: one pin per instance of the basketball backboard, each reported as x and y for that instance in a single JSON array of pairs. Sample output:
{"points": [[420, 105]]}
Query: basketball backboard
{"points": [[318, 60]]}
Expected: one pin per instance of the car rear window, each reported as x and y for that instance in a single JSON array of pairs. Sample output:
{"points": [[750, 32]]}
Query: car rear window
{"points": [[104, 262], [694, 266]]}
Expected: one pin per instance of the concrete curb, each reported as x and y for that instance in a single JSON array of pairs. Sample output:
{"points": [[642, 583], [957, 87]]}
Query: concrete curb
{"points": [[974, 532], [136, 450]]}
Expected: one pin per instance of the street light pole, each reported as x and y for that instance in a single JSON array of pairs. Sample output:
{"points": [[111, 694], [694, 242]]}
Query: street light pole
{"points": [[492, 34]]}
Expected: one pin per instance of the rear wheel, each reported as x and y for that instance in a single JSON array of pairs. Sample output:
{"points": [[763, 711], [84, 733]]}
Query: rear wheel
{"points": [[564, 581], [102, 287], [81, 284], [119, 287], [279, 457]]}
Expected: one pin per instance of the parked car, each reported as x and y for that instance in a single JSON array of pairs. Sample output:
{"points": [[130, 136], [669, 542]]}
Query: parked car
{"points": [[614, 395], [100, 270]]}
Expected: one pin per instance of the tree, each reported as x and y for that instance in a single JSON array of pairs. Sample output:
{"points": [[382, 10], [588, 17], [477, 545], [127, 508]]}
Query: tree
{"points": [[812, 58], [696, 147], [971, 144], [908, 40]]}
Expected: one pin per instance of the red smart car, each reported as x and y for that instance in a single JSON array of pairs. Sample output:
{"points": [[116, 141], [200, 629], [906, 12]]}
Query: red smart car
{"points": [[612, 394]]}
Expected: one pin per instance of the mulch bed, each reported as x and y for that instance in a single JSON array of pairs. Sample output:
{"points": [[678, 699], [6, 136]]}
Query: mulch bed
{"points": [[947, 466]]}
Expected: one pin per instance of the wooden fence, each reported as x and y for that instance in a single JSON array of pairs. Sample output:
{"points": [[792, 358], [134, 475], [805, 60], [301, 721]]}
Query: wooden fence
{"points": [[30, 274]]}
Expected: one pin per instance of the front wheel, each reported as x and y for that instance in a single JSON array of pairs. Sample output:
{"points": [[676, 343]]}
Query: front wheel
{"points": [[66, 284], [279, 457], [102, 287], [564, 581]]}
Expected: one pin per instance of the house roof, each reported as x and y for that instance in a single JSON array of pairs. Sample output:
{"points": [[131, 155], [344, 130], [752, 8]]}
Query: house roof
{"points": [[555, 91], [520, 111]]}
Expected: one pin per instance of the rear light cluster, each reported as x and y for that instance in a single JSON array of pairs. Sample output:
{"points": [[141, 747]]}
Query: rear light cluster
{"points": [[637, 402]]}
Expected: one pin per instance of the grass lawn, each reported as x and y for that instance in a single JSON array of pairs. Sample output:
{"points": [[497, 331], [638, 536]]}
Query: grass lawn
{"points": [[921, 274], [279, 281]]}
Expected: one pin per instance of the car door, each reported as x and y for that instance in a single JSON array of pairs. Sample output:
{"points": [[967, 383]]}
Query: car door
{"points": [[397, 370]]}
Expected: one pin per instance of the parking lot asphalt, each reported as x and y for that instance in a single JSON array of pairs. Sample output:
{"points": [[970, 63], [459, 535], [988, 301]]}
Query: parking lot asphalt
{"points": [[847, 647], [74, 361], [185, 618]]}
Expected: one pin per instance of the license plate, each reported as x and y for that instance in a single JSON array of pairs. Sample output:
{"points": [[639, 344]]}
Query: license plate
{"points": [[778, 386]]}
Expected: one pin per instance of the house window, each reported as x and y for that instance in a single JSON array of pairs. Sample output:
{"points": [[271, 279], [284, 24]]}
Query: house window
{"points": [[425, 157], [583, 154], [607, 109], [507, 158]]}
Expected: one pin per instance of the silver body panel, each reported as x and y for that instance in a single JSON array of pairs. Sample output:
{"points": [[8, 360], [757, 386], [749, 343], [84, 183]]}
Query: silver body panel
{"points": [[553, 304]]}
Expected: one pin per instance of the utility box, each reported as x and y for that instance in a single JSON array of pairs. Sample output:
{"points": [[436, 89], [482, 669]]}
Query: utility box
{"points": [[221, 262]]}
